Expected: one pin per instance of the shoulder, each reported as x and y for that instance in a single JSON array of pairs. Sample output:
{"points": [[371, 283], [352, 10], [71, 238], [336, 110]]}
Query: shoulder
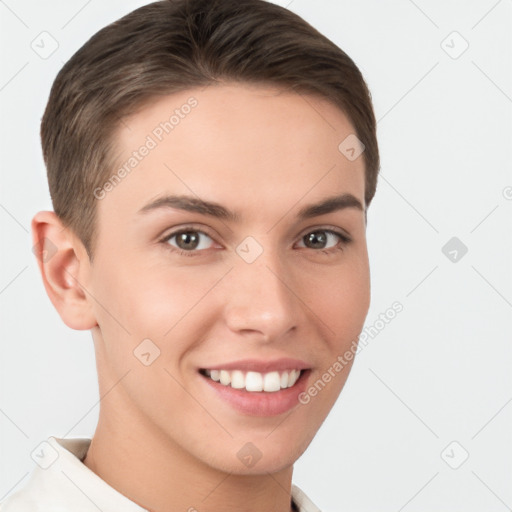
{"points": [[25, 499], [61, 482]]}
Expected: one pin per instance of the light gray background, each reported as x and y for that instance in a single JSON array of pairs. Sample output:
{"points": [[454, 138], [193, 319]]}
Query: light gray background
{"points": [[439, 372]]}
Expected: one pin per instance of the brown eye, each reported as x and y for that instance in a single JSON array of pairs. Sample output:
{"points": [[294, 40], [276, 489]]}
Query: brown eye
{"points": [[190, 240], [316, 240], [322, 239]]}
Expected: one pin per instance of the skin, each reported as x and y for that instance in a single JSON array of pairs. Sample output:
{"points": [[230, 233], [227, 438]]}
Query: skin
{"points": [[164, 439]]}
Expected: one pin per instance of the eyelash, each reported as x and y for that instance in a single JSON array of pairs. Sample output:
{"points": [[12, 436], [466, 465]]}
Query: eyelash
{"points": [[344, 240]]}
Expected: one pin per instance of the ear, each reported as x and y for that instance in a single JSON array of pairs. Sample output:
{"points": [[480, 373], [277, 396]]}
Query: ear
{"points": [[65, 268]]}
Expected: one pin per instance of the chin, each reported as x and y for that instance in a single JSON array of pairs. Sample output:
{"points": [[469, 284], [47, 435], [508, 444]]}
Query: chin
{"points": [[260, 457]]}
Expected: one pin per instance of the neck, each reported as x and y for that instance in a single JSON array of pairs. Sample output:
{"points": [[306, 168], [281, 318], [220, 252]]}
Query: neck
{"points": [[144, 465]]}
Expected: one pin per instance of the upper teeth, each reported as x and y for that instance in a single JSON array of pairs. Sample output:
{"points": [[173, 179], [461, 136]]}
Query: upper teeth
{"points": [[255, 381]]}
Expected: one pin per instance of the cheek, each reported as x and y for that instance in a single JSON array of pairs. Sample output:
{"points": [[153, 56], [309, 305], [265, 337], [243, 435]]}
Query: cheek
{"points": [[153, 311], [141, 296], [156, 302], [341, 300]]}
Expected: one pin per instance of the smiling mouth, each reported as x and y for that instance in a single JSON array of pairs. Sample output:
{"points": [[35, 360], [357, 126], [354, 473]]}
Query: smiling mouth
{"points": [[254, 382]]}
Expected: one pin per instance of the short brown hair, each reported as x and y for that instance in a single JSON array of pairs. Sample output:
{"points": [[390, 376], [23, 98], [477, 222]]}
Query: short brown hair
{"points": [[171, 46]]}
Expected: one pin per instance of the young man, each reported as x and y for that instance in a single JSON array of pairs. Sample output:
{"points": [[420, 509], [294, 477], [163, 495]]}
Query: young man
{"points": [[210, 165]]}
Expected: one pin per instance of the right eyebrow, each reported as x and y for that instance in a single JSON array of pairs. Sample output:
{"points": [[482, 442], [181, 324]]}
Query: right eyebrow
{"points": [[191, 204]]}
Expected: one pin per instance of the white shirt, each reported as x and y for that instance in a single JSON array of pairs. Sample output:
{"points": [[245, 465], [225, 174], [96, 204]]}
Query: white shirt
{"points": [[60, 482]]}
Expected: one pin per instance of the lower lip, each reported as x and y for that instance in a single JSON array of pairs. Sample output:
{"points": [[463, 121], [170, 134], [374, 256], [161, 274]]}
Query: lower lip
{"points": [[261, 403]]}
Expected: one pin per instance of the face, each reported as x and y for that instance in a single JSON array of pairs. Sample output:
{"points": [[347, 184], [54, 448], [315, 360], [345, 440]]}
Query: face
{"points": [[230, 273]]}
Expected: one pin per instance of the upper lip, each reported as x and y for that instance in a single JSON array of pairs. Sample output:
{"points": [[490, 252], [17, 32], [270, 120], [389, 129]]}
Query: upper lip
{"points": [[262, 366]]}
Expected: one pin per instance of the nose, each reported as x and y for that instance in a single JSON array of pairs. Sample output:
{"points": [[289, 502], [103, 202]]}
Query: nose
{"points": [[260, 299]]}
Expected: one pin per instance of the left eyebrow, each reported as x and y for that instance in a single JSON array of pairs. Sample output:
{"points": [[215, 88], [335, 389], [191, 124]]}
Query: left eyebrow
{"points": [[329, 205], [196, 205]]}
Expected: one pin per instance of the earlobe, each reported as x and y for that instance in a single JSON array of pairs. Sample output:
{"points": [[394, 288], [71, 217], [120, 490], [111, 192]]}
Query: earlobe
{"points": [[64, 267]]}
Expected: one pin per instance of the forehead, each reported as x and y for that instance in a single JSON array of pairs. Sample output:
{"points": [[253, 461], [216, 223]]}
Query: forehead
{"points": [[237, 144]]}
